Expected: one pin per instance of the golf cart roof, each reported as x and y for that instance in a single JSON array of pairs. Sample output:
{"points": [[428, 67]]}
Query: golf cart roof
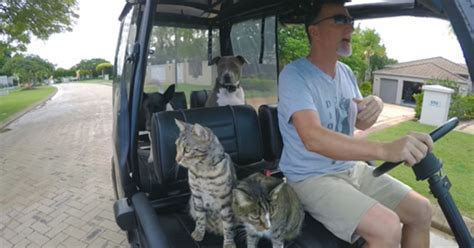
{"points": [[213, 12]]}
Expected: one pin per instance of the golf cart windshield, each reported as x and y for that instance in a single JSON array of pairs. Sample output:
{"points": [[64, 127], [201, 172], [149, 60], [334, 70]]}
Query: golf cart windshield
{"points": [[181, 56]]}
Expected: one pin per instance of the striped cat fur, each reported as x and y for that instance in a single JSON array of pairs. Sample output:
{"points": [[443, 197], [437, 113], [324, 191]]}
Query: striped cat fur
{"points": [[211, 178]]}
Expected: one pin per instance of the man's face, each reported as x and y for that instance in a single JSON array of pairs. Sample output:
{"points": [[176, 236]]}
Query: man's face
{"points": [[333, 29]]}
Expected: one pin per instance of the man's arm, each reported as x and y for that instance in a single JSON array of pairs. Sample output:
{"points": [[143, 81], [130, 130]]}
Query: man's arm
{"points": [[369, 109], [411, 148]]}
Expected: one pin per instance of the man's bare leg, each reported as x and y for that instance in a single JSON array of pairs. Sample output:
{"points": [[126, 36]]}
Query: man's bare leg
{"points": [[415, 213], [380, 227]]}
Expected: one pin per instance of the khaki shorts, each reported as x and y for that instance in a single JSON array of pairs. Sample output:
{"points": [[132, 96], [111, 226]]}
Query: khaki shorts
{"points": [[339, 200]]}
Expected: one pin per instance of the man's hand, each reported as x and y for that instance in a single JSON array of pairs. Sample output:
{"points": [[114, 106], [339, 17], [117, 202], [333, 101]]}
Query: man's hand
{"points": [[411, 148], [368, 110]]}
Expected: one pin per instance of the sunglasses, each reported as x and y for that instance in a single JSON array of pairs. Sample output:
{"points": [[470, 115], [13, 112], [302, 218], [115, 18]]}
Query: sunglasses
{"points": [[338, 20]]}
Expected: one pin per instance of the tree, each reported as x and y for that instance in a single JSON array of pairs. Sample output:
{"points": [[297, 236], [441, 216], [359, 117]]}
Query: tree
{"points": [[179, 44], [103, 67], [88, 66], [30, 69], [368, 54], [22, 19], [293, 43], [61, 72]]}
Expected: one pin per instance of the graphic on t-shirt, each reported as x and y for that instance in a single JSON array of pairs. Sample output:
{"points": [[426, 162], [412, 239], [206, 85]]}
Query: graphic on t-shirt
{"points": [[328, 107], [342, 116]]}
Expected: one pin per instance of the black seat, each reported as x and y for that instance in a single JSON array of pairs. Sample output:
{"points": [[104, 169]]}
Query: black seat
{"points": [[272, 141], [147, 177], [199, 98], [236, 127]]}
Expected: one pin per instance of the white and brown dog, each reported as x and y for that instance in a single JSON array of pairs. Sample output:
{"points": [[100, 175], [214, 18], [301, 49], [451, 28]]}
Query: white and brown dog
{"points": [[227, 89]]}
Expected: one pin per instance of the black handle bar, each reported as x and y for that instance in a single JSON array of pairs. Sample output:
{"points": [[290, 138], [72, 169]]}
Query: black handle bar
{"points": [[435, 135]]}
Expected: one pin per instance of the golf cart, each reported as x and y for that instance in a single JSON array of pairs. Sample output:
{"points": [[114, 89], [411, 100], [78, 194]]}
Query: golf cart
{"points": [[169, 44]]}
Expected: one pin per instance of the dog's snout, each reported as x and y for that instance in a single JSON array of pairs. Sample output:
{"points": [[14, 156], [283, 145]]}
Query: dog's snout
{"points": [[227, 78]]}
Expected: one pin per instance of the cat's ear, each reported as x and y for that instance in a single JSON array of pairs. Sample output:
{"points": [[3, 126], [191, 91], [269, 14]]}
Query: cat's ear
{"points": [[200, 131], [241, 198], [181, 124], [276, 191]]}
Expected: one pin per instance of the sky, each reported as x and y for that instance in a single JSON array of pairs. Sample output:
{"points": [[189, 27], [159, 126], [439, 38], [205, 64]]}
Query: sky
{"points": [[94, 35], [96, 32]]}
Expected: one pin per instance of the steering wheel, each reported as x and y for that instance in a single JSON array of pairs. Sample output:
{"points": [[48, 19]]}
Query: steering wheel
{"points": [[435, 135]]}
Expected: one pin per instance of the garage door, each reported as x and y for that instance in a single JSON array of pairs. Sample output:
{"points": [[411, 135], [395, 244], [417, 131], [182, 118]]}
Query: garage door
{"points": [[388, 90]]}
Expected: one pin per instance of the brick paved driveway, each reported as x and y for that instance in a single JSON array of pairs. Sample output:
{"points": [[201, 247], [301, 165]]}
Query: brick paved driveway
{"points": [[55, 183]]}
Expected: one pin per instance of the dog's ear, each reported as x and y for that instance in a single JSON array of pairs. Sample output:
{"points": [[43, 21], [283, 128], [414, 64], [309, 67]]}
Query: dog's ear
{"points": [[215, 60], [242, 59], [169, 93]]}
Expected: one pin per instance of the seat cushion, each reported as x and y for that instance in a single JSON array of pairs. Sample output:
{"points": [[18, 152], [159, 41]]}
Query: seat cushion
{"points": [[179, 226]]}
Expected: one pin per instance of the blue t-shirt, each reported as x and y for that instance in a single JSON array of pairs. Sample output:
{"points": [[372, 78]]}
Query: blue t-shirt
{"points": [[303, 86]]}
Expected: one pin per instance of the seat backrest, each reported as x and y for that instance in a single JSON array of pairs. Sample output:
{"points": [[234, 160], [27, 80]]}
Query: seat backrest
{"points": [[272, 141], [237, 128], [179, 100], [199, 98]]}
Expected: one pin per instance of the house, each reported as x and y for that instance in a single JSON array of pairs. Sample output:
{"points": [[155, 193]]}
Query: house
{"points": [[397, 83]]}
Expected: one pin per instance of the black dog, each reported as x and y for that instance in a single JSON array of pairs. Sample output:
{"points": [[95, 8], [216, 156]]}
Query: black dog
{"points": [[153, 103]]}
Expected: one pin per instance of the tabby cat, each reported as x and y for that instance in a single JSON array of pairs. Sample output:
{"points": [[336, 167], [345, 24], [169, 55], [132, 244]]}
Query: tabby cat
{"points": [[211, 179], [268, 207]]}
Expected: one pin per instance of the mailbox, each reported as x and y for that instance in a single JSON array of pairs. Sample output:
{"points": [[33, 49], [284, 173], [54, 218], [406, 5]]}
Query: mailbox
{"points": [[436, 101]]}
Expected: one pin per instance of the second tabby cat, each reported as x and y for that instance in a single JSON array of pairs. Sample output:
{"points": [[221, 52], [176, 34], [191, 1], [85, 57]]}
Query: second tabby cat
{"points": [[268, 207]]}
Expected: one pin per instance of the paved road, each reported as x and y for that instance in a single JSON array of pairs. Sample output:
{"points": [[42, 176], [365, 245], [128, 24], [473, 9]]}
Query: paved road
{"points": [[55, 184]]}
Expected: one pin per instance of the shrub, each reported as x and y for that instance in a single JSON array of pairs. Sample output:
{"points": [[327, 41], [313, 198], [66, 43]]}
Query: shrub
{"points": [[461, 107], [366, 88], [419, 103], [446, 83]]}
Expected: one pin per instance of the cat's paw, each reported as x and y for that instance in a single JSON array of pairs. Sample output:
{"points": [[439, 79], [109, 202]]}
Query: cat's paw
{"points": [[229, 245], [197, 235]]}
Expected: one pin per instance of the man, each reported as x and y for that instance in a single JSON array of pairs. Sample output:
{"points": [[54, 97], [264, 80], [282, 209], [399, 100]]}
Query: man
{"points": [[319, 106]]}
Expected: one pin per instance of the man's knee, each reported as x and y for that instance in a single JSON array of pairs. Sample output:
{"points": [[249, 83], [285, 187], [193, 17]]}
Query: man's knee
{"points": [[423, 211], [417, 210], [380, 227]]}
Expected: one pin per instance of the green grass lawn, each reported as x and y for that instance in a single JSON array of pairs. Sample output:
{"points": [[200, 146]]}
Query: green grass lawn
{"points": [[19, 100], [455, 150]]}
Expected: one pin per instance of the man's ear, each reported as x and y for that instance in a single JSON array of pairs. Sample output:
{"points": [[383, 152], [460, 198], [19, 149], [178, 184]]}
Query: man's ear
{"points": [[313, 32]]}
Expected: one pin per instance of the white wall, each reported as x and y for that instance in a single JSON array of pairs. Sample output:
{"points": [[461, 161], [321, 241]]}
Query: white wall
{"points": [[167, 73]]}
